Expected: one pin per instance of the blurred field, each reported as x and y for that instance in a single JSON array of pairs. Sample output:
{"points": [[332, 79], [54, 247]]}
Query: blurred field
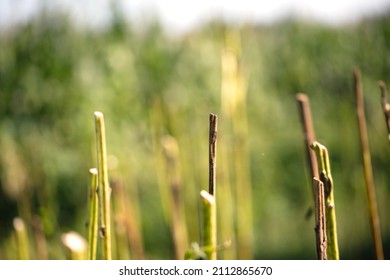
{"points": [[150, 84]]}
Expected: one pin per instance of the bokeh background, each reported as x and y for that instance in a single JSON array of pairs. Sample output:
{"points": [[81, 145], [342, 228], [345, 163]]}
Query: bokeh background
{"points": [[156, 88]]}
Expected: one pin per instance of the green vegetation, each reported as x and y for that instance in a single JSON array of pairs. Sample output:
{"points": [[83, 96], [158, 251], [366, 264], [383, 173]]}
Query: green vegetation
{"points": [[330, 207], [151, 85], [104, 189]]}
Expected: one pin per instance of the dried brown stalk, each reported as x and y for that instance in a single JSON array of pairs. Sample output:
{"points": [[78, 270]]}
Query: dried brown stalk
{"points": [[212, 153], [308, 132], [320, 218]]}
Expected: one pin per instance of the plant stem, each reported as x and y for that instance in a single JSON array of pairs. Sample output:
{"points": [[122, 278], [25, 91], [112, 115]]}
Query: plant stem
{"points": [[104, 188], [212, 153], [233, 102], [308, 132], [368, 173], [93, 215], [75, 244], [22, 239], [330, 212], [178, 222], [209, 201], [209, 225], [385, 107], [320, 219], [157, 122], [40, 239], [127, 227], [226, 204]]}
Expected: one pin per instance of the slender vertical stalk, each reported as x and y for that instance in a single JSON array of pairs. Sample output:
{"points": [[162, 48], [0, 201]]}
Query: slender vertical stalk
{"points": [[127, 227], [308, 132], [178, 221], [226, 204], [229, 102], [233, 103], [212, 153], [385, 107], [320, 218], [330, 211], [40, 239], [93, 215], [120, 220], [209, 238], [157, 123], [367, 166], [22, 239], [104, 188], [209, 201]]}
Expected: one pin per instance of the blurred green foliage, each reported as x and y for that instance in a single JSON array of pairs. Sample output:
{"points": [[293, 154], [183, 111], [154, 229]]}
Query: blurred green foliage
{"points": [[149, 83]]}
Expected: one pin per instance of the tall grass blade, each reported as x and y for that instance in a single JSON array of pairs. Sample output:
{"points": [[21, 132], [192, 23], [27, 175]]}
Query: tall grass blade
{"points": [[127, 226], [367, 166], [234, 109], [40, 239], [178, 221]]}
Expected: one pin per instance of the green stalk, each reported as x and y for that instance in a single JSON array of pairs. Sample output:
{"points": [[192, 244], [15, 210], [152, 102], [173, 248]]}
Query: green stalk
{"points": [[22, 239], [330, 212], [209, 238], [156, 123], [104, 188], [367, 166], [93, 215]]}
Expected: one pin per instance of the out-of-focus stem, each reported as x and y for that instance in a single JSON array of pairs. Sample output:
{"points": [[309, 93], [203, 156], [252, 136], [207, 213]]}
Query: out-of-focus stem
{"points": [[233, 103], [22, 239], [75, 244], [40, 239], [367, 166], [178, 221]]}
